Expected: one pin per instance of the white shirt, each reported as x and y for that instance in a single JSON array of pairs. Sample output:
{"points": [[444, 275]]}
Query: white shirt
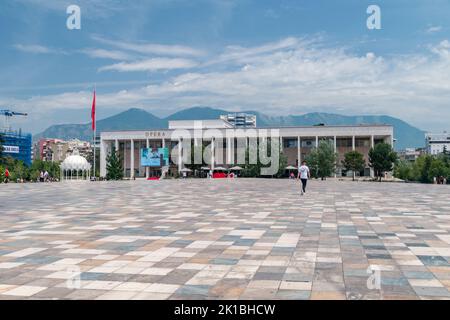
{"points": [[304, 171]]}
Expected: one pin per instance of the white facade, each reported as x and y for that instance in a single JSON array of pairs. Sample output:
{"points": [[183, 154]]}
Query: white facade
{"points": [[296, 142], [437, 143]]}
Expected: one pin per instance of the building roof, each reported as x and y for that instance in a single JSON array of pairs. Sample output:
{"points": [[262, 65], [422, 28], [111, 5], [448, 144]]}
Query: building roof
{"points": [[75, 162], [271, 127]]}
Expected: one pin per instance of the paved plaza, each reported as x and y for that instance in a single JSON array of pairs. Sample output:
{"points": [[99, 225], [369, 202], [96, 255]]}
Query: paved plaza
{"points": [[221, 239]]}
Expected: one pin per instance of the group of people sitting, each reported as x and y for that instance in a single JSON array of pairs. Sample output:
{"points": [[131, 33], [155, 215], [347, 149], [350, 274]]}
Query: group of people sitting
{"points": [[439, 180], [43, 176]]}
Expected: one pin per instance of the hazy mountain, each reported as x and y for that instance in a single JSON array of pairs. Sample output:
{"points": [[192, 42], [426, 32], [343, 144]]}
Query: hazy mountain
{"points": [[134, 118], [138, 119]]}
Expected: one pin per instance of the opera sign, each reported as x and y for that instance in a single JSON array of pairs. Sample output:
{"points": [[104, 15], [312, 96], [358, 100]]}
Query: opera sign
{"points": [[11, 149]]}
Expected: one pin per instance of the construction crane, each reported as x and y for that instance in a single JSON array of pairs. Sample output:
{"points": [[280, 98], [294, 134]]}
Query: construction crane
{"points": [[9, 114]]}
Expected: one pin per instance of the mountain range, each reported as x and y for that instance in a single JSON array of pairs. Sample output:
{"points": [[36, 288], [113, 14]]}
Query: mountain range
{"points": [[406, 135]]}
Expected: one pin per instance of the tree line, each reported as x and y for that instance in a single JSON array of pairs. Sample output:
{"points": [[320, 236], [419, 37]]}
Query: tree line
{"points": [[426, 168]]}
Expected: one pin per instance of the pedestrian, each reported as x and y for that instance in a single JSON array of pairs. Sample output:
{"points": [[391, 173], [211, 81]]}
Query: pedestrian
{"points": [[304, 175], [41, 176], [6, 175], [46, 176]]}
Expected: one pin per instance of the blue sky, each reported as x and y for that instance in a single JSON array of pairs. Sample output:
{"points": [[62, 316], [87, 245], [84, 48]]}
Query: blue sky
{"points": [[277, 57]]}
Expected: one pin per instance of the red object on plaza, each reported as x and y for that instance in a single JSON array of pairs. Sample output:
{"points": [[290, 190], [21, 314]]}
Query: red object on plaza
{"points": [[153, 178], [219, 175]]}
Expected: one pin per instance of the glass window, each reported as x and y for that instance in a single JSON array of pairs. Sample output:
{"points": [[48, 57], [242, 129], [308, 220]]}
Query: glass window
{"points": [[344, 143]]}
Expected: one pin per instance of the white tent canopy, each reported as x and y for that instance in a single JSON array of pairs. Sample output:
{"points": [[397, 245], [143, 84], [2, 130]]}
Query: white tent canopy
{"points": [[75, 167], [236, 168], [220, 169]]}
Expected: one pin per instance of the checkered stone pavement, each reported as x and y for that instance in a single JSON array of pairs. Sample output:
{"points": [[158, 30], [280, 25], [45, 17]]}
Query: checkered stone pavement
{"points": [[222, 239]]}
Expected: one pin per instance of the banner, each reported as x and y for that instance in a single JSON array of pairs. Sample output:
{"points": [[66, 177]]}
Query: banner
{"points": [[11, 149], [154, 157]]}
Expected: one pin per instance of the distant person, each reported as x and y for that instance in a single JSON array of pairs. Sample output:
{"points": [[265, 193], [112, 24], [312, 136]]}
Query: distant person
{"points": [[41, 176], [211, 174], [184, 174], [46, 176], [304, 175], [7, 175], [292, 176]]}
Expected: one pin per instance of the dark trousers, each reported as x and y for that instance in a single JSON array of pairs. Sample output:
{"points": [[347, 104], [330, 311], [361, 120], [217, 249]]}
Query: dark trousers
{"points": [[304, 181]]}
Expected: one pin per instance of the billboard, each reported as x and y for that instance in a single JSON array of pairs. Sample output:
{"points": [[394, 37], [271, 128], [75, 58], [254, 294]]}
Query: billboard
{"points": [[156, 157], [11, 149]]}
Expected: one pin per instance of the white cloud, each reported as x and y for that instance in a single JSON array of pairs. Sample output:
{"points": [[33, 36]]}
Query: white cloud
{"points": [[107, 54], [433, 29], [150, 65], [37, 49], [290, 76], [442, 49], [151, 48]]}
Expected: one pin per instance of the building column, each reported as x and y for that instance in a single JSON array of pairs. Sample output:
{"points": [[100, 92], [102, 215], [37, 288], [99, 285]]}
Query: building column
{"points": [[125, 158], [317, 141], [372, 145], [180, 156], [132, 159], [353, 143], [230, 150], [102, 158], [335, 151], [212, 153], [147, 169], [299, 151]]}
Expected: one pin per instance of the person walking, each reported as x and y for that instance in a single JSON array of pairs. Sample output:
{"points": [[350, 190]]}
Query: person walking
{"points": [[6, 175], [304, 175]]}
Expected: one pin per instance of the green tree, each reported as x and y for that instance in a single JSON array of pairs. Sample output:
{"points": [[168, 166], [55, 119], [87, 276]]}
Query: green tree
{"points": [[404, 170], [425, 169], [322, 160], [282, 165], [53, 169], [354, 161], [382, 158], [254, 169], [19, 171], [437, 169], [114, 167], [90, 159], [1, 147]]}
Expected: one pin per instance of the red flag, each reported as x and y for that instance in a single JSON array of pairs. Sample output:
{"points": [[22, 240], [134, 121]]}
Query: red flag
{"points": [[93, 113]]}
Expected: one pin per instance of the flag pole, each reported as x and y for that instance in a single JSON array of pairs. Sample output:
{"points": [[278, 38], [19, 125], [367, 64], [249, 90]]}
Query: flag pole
{"points": [[95, 131]]}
